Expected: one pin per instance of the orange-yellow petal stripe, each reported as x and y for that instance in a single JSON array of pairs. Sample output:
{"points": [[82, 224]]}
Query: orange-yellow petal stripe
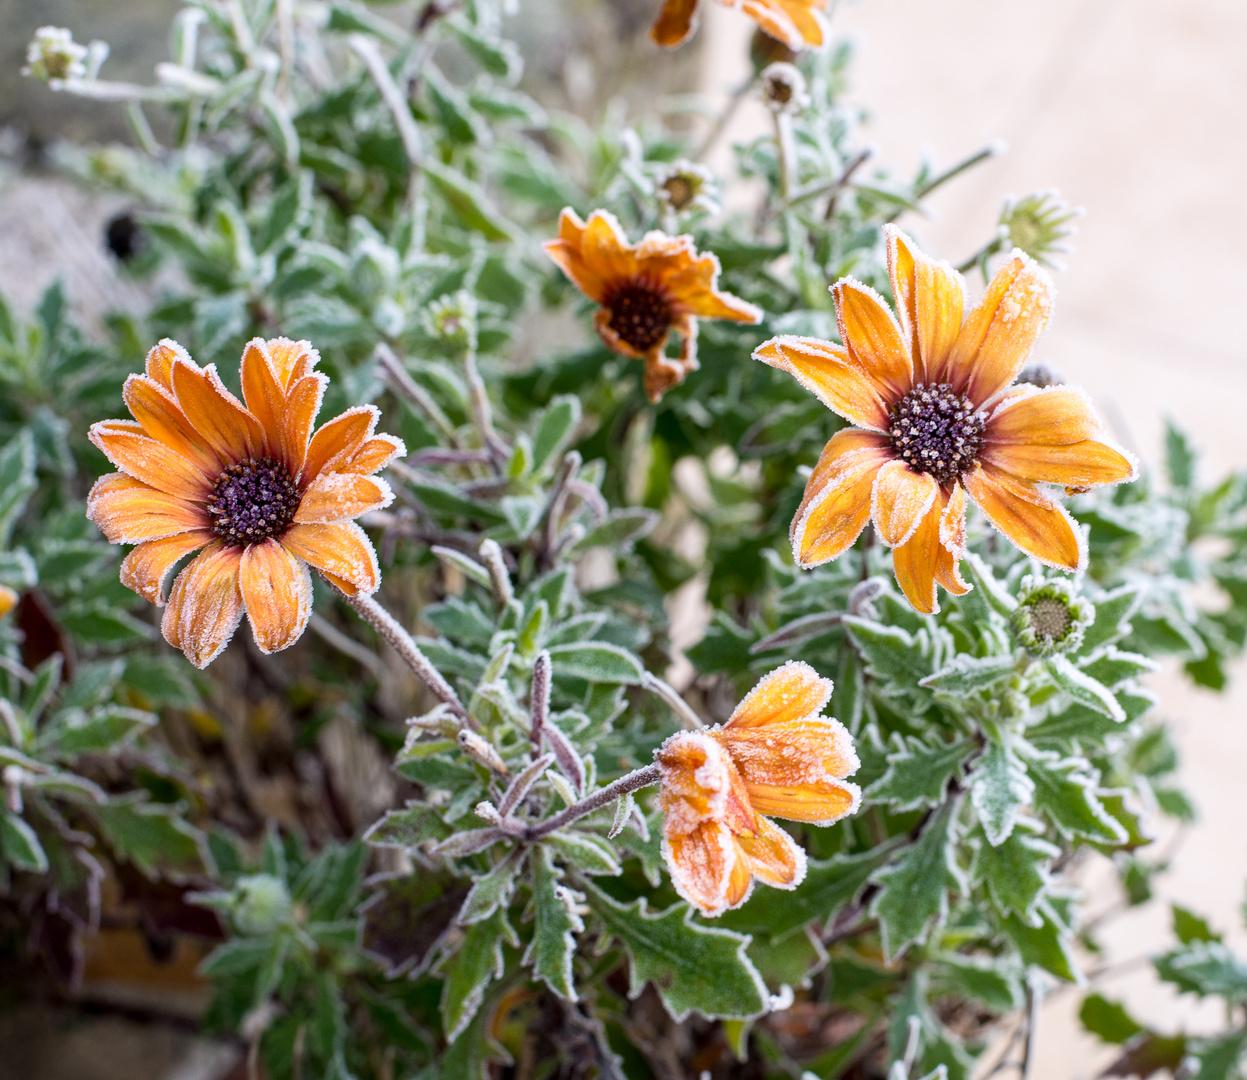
{"points": [[341, 549], [872, 337], [335, 496], [1036, 524], [277, 595], [146, 567], [901, 498], [836, 504], [791, 692], [205, 605]]}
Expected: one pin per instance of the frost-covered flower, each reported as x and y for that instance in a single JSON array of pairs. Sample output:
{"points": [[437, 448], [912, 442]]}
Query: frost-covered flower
{"points": [[797, 23], [686, 185], [1041, 224], [1050, 616], [249, 484], [783, 88], [54, 54], [937, 417], [646, 291], [776, 756], [453, 319]]}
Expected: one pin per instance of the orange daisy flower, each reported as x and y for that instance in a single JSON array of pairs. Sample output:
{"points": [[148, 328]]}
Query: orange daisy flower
{"points": [[646, 291], [797, 23], [937, 418], [776, 755], [249, 484]]}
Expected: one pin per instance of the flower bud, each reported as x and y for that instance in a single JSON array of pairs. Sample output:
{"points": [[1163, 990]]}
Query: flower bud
{"points": [[260, 904], [1049, 617], [453, 320], [685, 185], [783, 89], [53, 54], [1041, 225]]}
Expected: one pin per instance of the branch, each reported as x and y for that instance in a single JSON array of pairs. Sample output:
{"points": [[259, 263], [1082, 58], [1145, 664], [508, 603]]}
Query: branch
{"points": [[625, 785]]}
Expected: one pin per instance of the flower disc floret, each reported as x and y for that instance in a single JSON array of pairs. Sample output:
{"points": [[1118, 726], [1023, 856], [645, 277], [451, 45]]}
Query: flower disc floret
{"points": [[937, 431]]}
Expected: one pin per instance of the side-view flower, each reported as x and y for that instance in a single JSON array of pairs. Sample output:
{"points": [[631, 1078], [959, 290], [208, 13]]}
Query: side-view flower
{"points": [[776, 755], [797, 23], [248, 486], [646, 290], [936, 416]]}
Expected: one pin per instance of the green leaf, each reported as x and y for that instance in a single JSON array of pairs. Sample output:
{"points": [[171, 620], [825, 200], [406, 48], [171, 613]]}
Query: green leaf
{"points": [[554, 432], [597, 662], [492, 890], [969, 674], [469, 201], [918, 772], [1108, 1019], [913, 890], [620, 529], [469, 971], [1189, 928], [497, 56], [1220, 1058], [999, 788], [106, 729], [409, 828], [1113, 667], [17, 480], [1083, 688], [586, 852], [1206, 968], [41, 690], [1046, 945], [693, 967], [105, 626], [163, 680], [1111, 615], [20, 844], [892, 655], [1065, 792], [1180, 457], [987, 979], [555, 926], [1016, 872], [152, 836]]}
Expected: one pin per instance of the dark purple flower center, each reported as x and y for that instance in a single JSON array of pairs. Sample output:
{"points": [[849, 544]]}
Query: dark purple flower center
{"points": [[252, 501], [640, 315], [936, 430]]}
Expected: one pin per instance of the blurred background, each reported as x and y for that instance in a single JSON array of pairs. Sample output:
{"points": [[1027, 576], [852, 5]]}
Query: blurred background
{"points": [[1132, 108]]}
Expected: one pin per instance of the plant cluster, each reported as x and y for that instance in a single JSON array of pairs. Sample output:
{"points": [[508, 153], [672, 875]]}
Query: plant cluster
{"points": [[574, 868]]}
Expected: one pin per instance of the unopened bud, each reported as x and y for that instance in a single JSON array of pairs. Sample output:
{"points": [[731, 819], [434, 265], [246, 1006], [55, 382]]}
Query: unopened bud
{"points": [[481, 751], [54, 55], [1050, 617], [453, 319], [260, 904], [783, 88], [685, 185]]}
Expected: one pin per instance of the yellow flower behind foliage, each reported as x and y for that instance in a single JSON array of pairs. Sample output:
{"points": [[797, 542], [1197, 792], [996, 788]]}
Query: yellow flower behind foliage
{"points": [[248, 486], [646, 291], [797, 23], [937, 417], [776, 756]]}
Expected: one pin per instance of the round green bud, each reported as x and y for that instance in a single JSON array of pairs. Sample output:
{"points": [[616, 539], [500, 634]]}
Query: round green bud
{"points": [[260, 904], [1050, 617]]}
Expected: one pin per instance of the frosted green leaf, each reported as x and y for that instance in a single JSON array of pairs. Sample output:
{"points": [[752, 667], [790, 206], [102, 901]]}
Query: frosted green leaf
{"points": [[20, 845], [469, 970], [596, 661], [969, 674], [1065, 793], [1083, 688], [918, 773], [555, 926], [999, 788], [1016, 871], [1113, 667], [589, 853], [892, 655], [491, 890]]}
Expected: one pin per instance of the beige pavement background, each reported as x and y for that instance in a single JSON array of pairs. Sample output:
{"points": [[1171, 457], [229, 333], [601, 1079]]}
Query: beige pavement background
{"points": [[1135, 110]]}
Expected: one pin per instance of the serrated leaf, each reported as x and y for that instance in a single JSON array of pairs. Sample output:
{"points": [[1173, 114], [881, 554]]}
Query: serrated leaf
{"points": [[1046, 946], [408, 828], [1219, 1058], [1189, 928], [555, 926], [492, 890], [1111, 615], [1206, 968], [894, 656], [918, 772], [969, 674], [586, 852], [152, 836], [1016, 872], [597, 661], [913, 890], [468, 972], [999, 788], [20, 844], [1108, 1019], [1065, 792], [1113, 667], [1083, 688], [693, 967]]}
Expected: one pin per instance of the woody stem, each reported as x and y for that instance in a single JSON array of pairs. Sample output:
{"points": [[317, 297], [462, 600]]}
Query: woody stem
{"points": [[404, 644], [625, 785]]}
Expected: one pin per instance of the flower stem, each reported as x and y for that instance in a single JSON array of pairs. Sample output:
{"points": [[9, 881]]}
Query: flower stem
{"points": [[482, 411], [625, 785], [408, 388], [404, 644], [671, 696]]}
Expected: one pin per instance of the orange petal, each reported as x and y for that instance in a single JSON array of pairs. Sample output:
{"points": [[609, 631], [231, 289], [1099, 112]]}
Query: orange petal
{"points": [[339, 440], [773, 856], [1052, 416], [292, 360], [818, 802], [341, 549], [1083, 464], [335, 496], [1000, 332], [161, 359], [836, 504], [872, 337], [693, 290], [157, 411], [930, 299], [1040, 527], [605, 248], [790, 752], [302, 406], [277, 593], [217, 415], [952, 542], [375, 454], [152, 462], [900, 500], [774, 20], [826, 370], [8, 600], [794, 691], [674, 23], [205, 605], [144, 570], [699, 781], [702, 865], [264, 393], [914, 563]]}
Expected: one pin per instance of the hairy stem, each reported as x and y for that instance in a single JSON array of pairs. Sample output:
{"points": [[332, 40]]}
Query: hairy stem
{"points": [[405, 386], [672, 697], [633, 781]]}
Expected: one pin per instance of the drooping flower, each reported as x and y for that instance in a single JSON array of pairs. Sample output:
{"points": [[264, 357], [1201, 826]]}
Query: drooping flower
{"points": [[937, 417], [248, 486], [797, 23], [646, 291], [775, 756]]}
